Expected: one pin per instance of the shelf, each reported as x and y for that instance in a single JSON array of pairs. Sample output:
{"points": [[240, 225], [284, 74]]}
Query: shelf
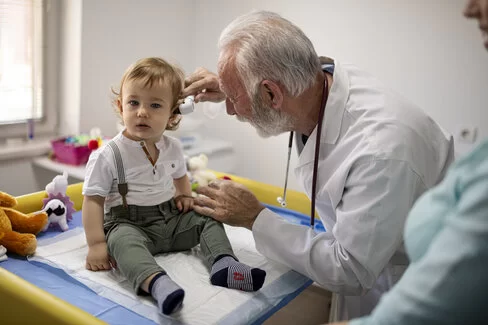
{"points": [[220, 157], [22, 148], [77, 172]]}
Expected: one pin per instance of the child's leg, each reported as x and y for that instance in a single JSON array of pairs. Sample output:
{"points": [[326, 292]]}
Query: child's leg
{"points": [[167, 293], [193, 229], [133, 251], [228, 272]]}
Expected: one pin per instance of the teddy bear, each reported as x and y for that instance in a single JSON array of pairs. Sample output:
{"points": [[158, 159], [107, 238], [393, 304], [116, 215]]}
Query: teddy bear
{"points": [[18, 230], [197, 168]]}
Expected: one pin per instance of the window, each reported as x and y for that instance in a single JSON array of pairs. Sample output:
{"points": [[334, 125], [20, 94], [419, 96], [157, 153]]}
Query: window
{"points": [[26, 39]]}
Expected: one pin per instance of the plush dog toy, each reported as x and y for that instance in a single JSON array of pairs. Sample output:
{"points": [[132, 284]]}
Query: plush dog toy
{"points": [[17, 229], [56, 212], [57, 205]]}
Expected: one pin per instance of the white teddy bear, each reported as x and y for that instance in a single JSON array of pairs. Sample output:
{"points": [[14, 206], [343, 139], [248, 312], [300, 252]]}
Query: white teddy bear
{"points": [[199, 175]]}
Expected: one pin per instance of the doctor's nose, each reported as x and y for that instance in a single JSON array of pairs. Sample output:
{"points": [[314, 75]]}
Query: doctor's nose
{"points": [[229, 107]]}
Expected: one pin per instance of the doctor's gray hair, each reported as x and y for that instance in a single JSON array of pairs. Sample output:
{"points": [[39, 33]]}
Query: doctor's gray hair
{"points": [[264, 45]]}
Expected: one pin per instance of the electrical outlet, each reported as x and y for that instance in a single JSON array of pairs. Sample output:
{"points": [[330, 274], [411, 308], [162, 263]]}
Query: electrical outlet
{"points": [[467, 134]]}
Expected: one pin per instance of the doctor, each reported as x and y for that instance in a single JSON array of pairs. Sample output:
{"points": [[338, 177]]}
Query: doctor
{"points": [[376, 154]]}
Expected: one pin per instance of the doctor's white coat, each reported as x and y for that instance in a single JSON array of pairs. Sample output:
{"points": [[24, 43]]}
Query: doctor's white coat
{"points": [[378, 154]]}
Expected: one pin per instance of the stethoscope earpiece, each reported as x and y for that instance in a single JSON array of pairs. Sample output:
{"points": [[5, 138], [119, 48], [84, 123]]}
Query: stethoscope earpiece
{"points": [[281, 201]]}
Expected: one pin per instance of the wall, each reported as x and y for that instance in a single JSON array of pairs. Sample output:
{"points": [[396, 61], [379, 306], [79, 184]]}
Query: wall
{"points": [[98, 40], [70, 66], [426, 50], [114, 34], [18, 177]]}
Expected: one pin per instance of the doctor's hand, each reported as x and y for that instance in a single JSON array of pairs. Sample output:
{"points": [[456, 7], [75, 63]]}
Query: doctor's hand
{"points": [[228, 202], [204, 85]]}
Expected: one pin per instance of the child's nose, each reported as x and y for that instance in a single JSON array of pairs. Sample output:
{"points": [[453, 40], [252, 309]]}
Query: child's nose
{"points": [[142, 111]]}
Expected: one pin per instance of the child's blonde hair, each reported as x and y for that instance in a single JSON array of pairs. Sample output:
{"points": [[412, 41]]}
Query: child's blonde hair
{"points": [[153, 70]]}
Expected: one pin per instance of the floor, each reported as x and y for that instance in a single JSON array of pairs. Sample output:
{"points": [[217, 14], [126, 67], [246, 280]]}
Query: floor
{"points": [[309, 307]]}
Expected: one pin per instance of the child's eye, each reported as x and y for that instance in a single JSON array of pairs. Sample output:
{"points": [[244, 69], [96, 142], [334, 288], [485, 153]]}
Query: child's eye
{"points": [[133, 102], [155, 105]]}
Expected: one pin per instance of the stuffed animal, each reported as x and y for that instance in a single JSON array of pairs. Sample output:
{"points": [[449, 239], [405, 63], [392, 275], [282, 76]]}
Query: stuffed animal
{"points": [[59, 184], [17, 229], [199, 175], [3, 253], [57, 205], [56, 212]]}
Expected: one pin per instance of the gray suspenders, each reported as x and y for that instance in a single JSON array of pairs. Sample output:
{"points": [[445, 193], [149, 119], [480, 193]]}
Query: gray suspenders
{"points": [[119, 165]]}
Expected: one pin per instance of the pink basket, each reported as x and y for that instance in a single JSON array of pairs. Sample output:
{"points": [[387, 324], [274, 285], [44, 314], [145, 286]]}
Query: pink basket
{"points": [[69, 153]]}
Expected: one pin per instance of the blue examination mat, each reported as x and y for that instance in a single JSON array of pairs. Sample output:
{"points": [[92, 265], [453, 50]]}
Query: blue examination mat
{"points": [[60, 284], [297, 218]]}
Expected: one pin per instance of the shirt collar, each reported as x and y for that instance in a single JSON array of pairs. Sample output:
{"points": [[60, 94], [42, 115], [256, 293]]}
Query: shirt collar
{"points": [[334, 111], [137, 143], [335, 107]]}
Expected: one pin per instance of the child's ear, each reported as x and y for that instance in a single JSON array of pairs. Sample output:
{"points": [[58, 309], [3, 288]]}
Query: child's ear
{"points": [[177, 106], [173, 121], [175, 118], [119, 105]]}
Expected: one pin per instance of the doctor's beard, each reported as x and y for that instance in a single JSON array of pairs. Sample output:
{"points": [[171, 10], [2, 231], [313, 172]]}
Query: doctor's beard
{"points": [[267, 121]]}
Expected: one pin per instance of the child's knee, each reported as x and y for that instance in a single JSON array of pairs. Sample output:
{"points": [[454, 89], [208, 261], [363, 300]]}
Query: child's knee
{"points": [[123, 235]]}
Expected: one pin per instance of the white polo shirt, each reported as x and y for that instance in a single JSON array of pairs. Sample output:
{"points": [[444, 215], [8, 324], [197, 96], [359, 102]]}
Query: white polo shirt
{"points": [[147, 185]]}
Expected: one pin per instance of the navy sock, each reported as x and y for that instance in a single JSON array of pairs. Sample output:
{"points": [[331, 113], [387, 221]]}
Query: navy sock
{"points": [[169, 296], [229, 273]]}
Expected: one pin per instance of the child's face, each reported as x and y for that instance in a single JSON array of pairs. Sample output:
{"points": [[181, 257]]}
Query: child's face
{"points": [[145, 111]]}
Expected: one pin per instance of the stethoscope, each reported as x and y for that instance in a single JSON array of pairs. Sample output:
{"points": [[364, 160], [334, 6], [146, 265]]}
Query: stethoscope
{"points": [[282, 199]]}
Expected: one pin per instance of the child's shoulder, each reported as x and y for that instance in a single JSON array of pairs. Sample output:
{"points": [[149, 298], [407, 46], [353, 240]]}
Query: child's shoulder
{"points": [[171, 143], [105, 150]]}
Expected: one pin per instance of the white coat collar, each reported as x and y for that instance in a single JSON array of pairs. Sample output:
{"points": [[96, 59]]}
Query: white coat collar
{"points": [[334, 111]]}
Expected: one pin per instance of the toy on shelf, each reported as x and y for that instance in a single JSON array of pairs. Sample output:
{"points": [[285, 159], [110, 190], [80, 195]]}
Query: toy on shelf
{"points": [[96, 139], [57, 205], [18, 230], [75, 150]]}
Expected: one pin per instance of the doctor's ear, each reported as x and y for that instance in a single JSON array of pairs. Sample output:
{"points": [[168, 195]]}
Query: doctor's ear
{"points": [[271, 94]]}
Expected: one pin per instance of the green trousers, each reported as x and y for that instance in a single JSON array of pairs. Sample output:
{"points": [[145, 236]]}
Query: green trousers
{"points": [[136, 233]]}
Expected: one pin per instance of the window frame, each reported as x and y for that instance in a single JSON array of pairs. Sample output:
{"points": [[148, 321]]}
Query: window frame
{"points": [[48, 125]]}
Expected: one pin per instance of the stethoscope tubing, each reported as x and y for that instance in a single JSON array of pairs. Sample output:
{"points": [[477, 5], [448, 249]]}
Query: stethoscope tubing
{"points": [[282, 200]]}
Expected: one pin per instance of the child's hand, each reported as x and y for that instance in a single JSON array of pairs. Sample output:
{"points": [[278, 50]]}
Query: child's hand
{"points": [[98, 258], [184, 203]]}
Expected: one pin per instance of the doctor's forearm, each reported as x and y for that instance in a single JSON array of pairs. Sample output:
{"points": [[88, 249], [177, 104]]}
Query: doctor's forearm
{"points": [[313, 255]]}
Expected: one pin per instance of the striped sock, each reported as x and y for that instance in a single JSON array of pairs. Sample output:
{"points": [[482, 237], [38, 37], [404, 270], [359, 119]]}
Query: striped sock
{"points": [[229, 273], [167, 293]]}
